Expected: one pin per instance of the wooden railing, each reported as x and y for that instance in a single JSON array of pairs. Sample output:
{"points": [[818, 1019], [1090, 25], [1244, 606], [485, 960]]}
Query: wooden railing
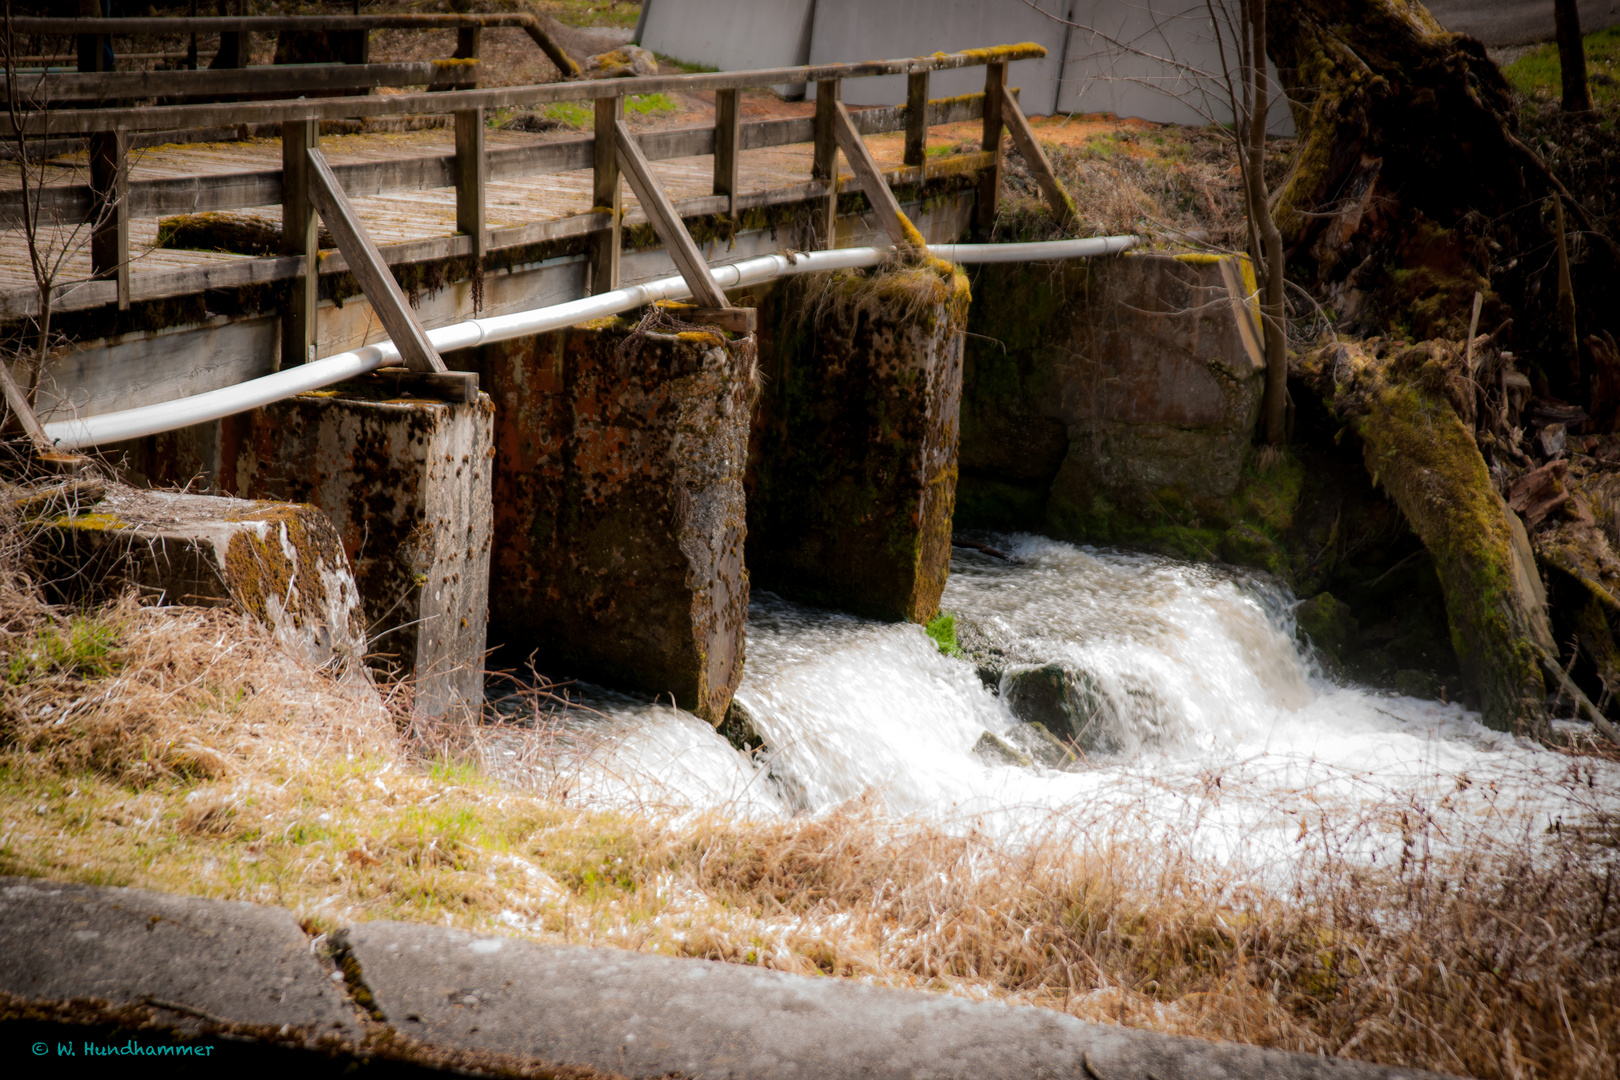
{"points": [[611, 151]]}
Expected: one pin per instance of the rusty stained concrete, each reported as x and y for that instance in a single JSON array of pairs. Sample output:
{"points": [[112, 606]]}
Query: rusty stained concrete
{"points": [[619, 506], [853, 461], [406, 481], [281, 564]]}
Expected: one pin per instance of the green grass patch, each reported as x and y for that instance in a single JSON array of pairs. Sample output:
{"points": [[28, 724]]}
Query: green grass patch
{"points": [[942, 628], [592, 13], [582, 114], [668, 64], [84, 650], [1539, 74]]}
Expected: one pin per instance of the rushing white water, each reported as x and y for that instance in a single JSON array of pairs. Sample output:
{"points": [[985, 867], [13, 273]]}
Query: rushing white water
{"points": [[1225, 740]]}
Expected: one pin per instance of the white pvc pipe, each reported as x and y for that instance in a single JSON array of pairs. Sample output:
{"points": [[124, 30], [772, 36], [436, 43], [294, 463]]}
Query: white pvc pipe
{"points": [[290, 382]]}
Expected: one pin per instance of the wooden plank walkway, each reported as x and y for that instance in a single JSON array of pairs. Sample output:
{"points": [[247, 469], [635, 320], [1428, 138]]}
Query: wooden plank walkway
{"points": [[410, 215]]}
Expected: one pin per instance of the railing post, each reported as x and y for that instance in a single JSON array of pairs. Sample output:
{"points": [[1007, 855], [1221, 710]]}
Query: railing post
{"points": [[824, 217], [300, 233], [235, 46], [92, 48], [995, 77], [727, 136], [607, 196], [471, 171], [917, 120], [109, 210], [468, 39]]}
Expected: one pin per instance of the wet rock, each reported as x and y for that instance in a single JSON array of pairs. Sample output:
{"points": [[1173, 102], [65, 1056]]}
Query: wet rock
{"points": [[1327, 623], [406, 481], [1053, 696], [1415, 683], [737, 727], [1041, 745], [619, 505], [991, 652], [999, 751], [852, 471], [279, 563], [1244, 545]]}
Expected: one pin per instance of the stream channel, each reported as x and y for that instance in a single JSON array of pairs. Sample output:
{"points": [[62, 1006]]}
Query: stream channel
{"points": [[1222, 739]]}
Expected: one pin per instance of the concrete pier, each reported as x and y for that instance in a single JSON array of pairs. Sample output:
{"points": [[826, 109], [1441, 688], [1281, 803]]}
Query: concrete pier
{"points": [[406, 481], [852, 471], [619, 505]]}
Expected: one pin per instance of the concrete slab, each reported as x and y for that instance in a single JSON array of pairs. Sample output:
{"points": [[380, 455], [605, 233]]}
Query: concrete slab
{"points": [[241, 963], [645, 1015], [730, 36], [280, 563]]}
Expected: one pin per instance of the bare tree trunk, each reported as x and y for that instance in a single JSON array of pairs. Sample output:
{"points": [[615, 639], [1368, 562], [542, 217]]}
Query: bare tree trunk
{"points": [[1272, 270], [1571, 56]]}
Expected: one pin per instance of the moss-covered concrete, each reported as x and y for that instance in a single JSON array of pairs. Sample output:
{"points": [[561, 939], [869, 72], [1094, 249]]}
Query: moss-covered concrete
{"points": [[853, 464], [280, 563], [406, 482], [619, 506]]}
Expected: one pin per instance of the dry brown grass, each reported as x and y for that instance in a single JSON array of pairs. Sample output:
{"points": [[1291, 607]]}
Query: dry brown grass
{"points": [[185, 752]]}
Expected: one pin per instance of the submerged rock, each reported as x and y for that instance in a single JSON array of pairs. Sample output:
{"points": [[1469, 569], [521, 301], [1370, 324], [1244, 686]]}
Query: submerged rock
{"points": [[998, 751], [1060, 700], [1042, 746], [737, 728]]}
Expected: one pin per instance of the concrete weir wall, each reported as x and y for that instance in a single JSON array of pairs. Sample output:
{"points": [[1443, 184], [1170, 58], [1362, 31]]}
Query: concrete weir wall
{"points": [[1095, 390], [852, 472], [619, 505], [406, 482]]}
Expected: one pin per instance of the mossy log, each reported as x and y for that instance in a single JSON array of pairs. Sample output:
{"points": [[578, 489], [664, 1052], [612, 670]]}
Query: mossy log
{"points": [[238, 234], [1418, 448]]}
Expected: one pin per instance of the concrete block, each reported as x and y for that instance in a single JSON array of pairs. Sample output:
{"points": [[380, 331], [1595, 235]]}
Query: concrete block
{"points": [[406, 481], [280, 563], [242, 963], [852, 468], [729, 36], [644, 1015], [1150, 365], [619, 505]]}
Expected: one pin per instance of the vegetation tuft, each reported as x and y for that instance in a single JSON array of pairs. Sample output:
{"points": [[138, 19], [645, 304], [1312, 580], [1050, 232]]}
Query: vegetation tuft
{"points": [[1537, 74]]}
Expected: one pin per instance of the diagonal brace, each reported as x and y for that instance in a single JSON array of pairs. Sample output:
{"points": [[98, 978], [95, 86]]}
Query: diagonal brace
{"points": [[901, 232], [367, 265], [1023, 137], [666, 221]]}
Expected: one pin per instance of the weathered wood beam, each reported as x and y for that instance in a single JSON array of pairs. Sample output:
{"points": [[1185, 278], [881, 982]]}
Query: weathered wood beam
{"points": [[727, 140], [109, 210], [666, 221], [300, 236], [870, 177], [17, 402], [607, 196], [1023, 137], [273, 112], [241, 190], [281, 79], [824, 167], [367, 265], [917, 118], [471, 173], [995, 86]]}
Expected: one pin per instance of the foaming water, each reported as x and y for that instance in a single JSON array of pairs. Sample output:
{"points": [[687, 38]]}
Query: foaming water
{"points": [[1221, 738]]}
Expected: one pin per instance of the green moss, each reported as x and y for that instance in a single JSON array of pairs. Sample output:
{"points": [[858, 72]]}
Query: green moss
{"points": [[942, 628]]}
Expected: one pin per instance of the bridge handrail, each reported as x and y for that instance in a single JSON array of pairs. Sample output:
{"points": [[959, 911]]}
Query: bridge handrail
{"points": [[86, 121]]}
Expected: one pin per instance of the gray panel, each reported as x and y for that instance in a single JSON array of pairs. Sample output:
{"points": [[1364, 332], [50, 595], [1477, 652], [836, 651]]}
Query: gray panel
{"points": [[1159, 63], [849, 30], [730, 35]]}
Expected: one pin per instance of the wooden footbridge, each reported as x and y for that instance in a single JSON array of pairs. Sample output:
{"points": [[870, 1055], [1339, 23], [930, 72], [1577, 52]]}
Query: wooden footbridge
{"points": [[505, 222]]}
